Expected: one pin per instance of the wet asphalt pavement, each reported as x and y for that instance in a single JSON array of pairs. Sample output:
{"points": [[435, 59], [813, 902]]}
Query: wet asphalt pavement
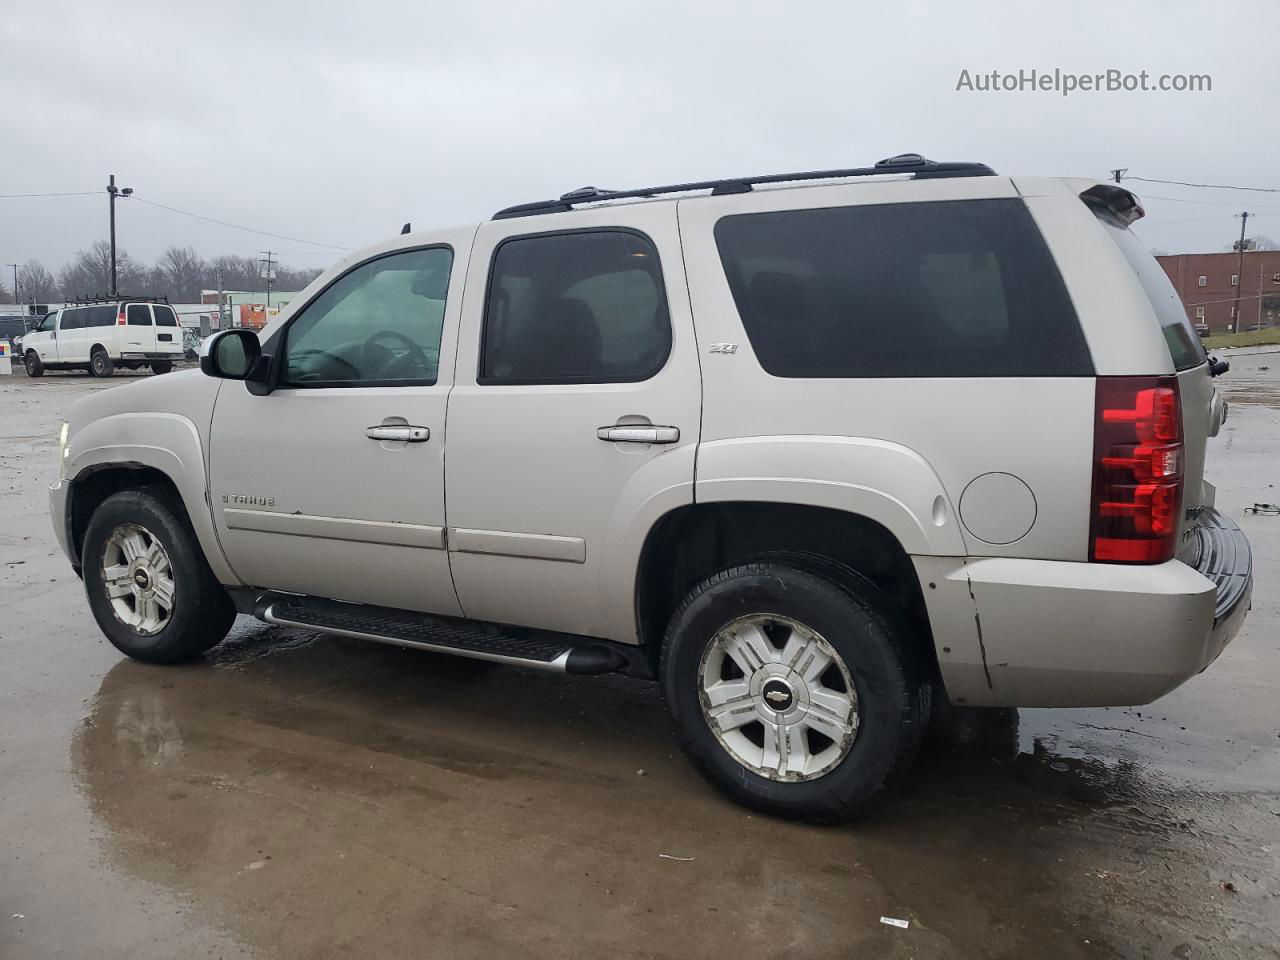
{"points": [[302, 796]]}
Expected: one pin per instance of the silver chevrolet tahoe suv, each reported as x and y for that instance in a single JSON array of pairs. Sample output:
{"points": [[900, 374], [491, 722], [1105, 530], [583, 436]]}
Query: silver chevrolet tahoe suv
{"points": [[816, 452]]}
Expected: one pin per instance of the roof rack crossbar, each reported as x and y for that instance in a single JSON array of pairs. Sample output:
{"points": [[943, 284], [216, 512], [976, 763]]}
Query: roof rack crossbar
{"points": [[118, 298], [904, 163]]}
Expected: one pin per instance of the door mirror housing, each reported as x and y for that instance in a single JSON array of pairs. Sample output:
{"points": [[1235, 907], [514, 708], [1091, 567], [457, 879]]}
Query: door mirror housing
{"points": [[231, 354]]}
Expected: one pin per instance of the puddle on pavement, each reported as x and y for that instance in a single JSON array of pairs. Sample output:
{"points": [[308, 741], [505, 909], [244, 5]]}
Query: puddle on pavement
{"points": [[310, 790]]}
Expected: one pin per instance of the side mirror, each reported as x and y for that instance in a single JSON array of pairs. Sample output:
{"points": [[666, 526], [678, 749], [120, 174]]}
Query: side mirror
{"points": [[231, 354]]}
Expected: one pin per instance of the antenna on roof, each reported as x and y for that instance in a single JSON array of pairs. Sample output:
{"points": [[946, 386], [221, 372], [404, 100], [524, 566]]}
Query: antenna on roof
{"points": [[404, 229]]}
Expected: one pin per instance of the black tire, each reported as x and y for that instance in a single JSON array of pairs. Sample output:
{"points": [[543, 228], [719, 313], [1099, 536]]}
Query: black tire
{"points": [[161, 366], [890, 677], [101, 364], [32, 362], [202, 610]]}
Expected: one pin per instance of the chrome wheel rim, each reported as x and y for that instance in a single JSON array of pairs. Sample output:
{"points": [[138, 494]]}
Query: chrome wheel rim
{"points": [[778, 697], [138, 579]]}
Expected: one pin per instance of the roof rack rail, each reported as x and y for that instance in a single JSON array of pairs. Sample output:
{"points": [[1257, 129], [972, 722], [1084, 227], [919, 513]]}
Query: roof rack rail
{"points": [[903, 163], [118, 298]]}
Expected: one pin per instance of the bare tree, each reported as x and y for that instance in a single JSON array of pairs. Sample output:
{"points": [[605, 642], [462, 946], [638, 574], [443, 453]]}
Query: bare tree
{"points": [[238, 273], [5, 295], [37, 283], [1262, 242], [180, 274], [89, 274]]}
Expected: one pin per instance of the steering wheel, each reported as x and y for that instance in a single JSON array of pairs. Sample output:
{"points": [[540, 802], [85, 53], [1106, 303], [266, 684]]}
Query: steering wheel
{"points": [[415, 352]]}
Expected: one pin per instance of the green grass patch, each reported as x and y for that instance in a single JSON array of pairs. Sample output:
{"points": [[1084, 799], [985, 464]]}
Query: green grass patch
{"points": [[1249, 338]]}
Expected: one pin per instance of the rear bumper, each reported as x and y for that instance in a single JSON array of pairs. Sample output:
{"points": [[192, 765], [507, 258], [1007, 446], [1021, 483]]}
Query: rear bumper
{"points": [[1054, 634]]}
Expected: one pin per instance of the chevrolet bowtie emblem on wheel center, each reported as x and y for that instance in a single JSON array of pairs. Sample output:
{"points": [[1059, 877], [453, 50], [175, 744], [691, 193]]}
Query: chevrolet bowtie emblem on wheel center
{"points": [[778, 695]]}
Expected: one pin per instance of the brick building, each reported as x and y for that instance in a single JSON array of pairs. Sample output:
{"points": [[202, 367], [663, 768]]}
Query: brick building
{"points": [[1207, 284]]}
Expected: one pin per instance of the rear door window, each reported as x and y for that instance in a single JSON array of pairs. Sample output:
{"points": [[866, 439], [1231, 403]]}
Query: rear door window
{"points": [[586, 306], [963, 288], [1184, 345], [138, 315], [165, 316]]}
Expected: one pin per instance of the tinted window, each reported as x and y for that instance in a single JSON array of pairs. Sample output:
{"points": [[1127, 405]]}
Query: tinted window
{"points": [[963, 288], [138, 315], [379, 323], [1184, 346], [101, 316], [584, 307], [47, 323], [72, 319], [165, 317]]}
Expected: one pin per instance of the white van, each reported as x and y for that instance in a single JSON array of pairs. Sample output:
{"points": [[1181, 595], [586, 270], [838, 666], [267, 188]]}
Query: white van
{"points": [[100, 335]]}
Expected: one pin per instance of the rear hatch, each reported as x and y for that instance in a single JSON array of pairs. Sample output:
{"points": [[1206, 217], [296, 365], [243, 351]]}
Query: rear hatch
{"points": [[1201, 409]]}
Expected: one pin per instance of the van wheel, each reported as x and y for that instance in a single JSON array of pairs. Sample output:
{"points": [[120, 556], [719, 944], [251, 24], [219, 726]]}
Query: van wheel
{"points": [[161, 366], [100, 363], [32, 362], [795, 694], [149, 585]]}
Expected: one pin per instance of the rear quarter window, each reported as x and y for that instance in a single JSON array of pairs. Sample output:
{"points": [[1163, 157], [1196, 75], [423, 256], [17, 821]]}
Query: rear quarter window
{"points": [[962, 288], [1184, 345]]}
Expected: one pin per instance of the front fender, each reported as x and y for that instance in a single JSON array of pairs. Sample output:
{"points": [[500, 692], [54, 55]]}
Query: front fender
{"points": [[163, 441], [885, 482]]}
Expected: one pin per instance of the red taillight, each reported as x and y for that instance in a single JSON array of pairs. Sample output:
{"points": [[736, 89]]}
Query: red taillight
{"points": [[120, 321], [1137, 470]]}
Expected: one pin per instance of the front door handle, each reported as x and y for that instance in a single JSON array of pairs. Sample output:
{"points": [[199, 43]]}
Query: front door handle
{"points": [[402, 433], [639, 434]]}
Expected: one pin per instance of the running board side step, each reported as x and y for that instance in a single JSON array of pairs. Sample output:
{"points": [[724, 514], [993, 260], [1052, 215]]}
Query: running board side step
{"points": [[540, 650]]}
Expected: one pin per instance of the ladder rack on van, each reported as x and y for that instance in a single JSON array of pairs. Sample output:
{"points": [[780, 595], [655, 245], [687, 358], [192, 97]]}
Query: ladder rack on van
{"points": [[120, 298], [903, 163]]}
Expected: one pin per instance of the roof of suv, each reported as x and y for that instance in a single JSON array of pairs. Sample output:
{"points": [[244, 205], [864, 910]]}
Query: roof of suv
{"points": [[912, 164]]}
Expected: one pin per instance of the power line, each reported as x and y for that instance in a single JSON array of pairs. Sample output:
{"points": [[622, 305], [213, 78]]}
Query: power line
{"points": [[1207, 186], [78, 193], [237, 226], [1204, 203]]}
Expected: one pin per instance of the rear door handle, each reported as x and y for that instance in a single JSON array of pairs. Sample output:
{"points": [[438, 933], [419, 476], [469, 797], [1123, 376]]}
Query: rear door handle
{"points": [[405, 434], [639, 434]]}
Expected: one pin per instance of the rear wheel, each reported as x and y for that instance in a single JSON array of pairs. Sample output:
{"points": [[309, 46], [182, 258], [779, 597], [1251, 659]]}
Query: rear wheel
{"points": [[161, 366], [795, 694], [100, 363], [149, 585], [32, 362]]}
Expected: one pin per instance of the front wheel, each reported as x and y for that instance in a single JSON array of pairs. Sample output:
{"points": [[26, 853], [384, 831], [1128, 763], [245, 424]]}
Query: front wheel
{"points": [[795, 694], [149, 585], [32, 362]]}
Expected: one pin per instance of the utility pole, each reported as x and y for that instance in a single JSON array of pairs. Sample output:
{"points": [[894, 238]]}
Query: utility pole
{"points": [[1235, 310], [15, 281], [224, 322], [112, 193], [268, 271], [1119, 172]]}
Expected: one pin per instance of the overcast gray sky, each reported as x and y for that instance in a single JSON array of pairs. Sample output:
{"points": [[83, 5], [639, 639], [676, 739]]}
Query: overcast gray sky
{"points": [[336, 122]]}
